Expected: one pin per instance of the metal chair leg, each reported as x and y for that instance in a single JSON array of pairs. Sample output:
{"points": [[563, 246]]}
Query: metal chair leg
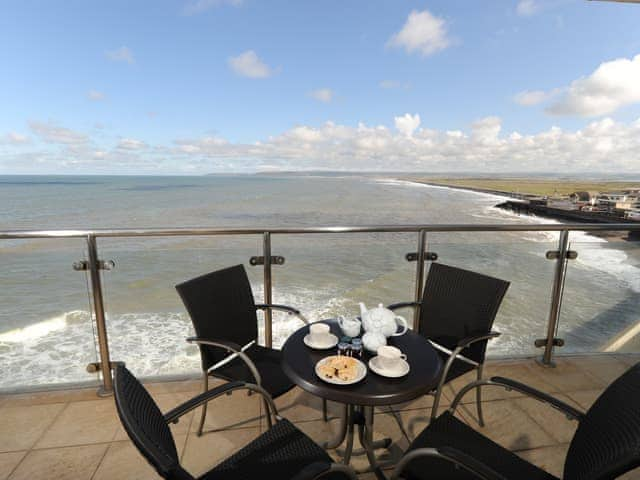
{"points": [[436, 403], [325, 417], [479, 398], [267, 414], [205, 386]]}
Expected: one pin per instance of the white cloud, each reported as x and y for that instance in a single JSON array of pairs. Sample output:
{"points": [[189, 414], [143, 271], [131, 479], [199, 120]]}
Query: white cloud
{"points": [[527, 8], [600, 146], [423, 33], [131, 144], [529, 98], [51, 133], [405, 145], [122, 54], [14, 138], [199, 6], [611, 86], [247, 64], [407, 123], [486, 130], [324, 95], [95, 95]]}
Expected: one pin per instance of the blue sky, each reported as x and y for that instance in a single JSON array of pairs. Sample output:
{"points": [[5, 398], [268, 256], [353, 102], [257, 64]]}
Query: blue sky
{"points": [[243, 85]]}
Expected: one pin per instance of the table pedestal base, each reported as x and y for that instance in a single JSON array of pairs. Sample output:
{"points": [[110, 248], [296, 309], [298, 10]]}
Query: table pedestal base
{"points": [[362, 416]]}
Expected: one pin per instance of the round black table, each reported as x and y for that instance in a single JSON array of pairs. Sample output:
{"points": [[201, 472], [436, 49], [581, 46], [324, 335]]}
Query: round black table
{"points": [[299, 361]]}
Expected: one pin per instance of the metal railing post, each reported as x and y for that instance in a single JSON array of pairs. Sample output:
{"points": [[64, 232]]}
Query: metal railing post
{"points": [[268, 317], [556, 297], [422, 246], [98, 310]]}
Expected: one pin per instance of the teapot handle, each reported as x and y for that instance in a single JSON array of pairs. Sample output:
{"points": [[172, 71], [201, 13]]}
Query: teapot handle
{"points": [[403, 323]]}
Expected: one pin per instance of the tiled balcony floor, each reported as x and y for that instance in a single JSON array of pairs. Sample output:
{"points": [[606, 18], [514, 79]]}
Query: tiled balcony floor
{"points": [[75, 435]]}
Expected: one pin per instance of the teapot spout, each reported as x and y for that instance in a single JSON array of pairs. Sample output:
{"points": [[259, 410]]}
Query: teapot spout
{"points": [[363, 309]]}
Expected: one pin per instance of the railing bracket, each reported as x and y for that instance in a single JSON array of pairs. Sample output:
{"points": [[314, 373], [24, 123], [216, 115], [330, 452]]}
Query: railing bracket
{"points": [[554, 254], [95, 367], [83, 265], [275, 260], [429, 256], [542, 342]]}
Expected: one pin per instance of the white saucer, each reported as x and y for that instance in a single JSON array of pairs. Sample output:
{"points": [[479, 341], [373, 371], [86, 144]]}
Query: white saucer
{"points": [[400, 372], [332, 342]]}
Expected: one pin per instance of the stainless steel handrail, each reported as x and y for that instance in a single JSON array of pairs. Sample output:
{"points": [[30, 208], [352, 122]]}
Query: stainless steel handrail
{"points": [[267, 232], [197, 231]]}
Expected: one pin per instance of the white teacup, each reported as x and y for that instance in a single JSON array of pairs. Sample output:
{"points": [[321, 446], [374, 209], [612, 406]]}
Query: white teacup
{"points": [[389, 358], [319, 333]]}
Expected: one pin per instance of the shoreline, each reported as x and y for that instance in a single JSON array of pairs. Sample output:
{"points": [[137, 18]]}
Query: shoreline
{"points": [[608, 236]]}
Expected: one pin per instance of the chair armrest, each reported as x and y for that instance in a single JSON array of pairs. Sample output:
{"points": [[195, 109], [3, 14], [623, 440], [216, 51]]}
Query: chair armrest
{"points": [[284, 308], [465, 342], [234, 349], [319, 470], [458, 458], [396, 306], [571, 412], [174, 414]]}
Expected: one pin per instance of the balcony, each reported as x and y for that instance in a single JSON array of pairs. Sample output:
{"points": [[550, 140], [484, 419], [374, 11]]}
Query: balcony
{"points": [[61, 428]]}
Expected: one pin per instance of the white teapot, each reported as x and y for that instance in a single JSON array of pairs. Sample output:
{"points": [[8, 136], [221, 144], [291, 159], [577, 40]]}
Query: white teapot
{"points": [[373, 340], [382, 320]]}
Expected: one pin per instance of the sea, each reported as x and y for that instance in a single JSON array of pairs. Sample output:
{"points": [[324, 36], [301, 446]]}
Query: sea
{"points": [[47, 336]]}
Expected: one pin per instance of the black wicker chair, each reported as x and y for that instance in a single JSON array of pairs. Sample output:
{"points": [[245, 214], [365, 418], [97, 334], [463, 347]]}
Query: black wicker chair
{"points": [[605, 445], [223, 313], [282, 452], [457, 311]]}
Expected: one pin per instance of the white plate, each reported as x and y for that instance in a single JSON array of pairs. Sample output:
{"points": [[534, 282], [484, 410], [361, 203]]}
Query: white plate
{"points": [[400, 372], [333, 341], [362, 372]]}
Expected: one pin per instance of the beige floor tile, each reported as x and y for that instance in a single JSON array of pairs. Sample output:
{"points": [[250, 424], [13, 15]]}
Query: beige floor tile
{"points": [[123, 460], [166, 401], [414, 421], [8, 462], [629, 359], [568, 375], [508, 425], [43, 398], [550, 459], [21, 427], [584, 398], [237, 410], [549, 419], [191, 386], [69, 463], [527, 371], [521, 371], [300, 406], [203, 453], [82, 423], [605, 367], [423, 401]]}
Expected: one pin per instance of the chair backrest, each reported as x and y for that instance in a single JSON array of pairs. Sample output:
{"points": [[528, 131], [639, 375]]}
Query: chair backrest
{"points": [[221, 306], [607, 441], [145, 425], [458, 303]]}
